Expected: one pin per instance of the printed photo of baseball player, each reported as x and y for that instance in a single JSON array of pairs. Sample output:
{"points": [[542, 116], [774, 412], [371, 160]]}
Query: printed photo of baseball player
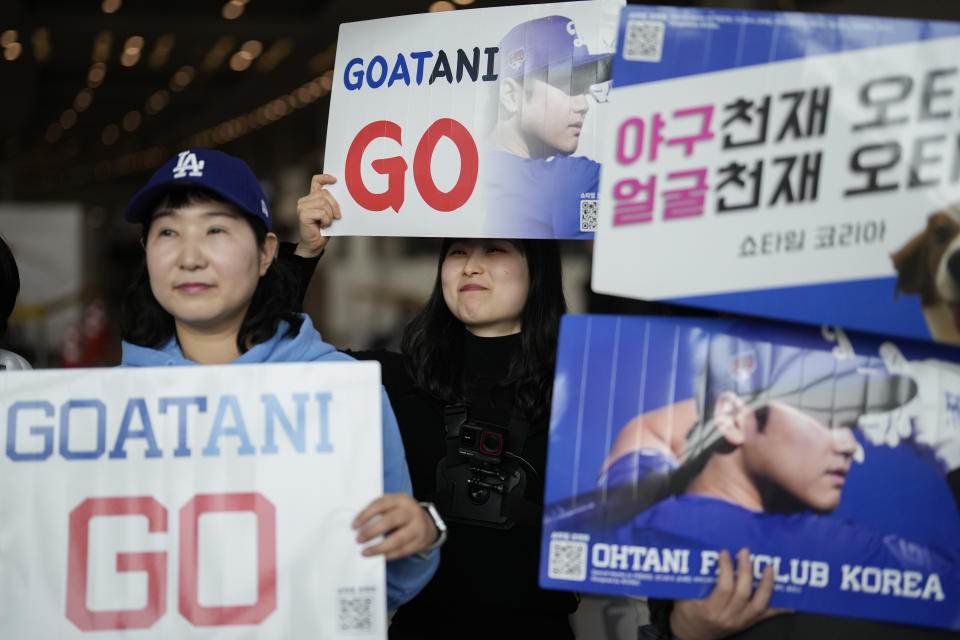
{"points": [[533, 183], [760, 457]]}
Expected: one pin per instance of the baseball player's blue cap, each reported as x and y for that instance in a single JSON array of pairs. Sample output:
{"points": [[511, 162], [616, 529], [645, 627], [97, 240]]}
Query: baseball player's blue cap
{"points": [[544, 43], [223, 174], [834, 390]]}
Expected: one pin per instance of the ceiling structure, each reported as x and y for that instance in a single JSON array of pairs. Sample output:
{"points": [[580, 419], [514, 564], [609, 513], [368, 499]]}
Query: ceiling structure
{"points": [[98, 93]]}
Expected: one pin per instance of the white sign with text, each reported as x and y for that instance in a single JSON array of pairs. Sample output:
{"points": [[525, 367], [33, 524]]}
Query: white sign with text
{"points": [[190, 502]]}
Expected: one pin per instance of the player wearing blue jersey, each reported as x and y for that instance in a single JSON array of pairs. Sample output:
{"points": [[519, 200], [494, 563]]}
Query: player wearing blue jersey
{"points": [[532, 185], [760, 463], [767, 459]]}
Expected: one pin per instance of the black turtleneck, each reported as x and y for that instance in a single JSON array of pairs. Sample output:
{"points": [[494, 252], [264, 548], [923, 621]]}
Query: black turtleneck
{"points": [[486, 367], [486, 585]]}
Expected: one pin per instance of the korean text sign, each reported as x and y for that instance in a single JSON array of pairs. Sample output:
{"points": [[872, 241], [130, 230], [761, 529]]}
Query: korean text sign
{"points": [[831, 456], [785, 165], [477, 122], [189, 502]]}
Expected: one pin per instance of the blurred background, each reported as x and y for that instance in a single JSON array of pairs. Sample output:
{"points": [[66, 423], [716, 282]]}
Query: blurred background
{"points": [[98, 93]]}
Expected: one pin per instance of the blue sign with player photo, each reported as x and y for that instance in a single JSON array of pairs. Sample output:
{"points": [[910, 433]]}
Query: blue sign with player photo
{"points": [[808, 162], [833, 457]]}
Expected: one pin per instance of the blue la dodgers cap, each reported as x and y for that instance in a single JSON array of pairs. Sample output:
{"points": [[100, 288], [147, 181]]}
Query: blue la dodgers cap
{"points": [[545, 43], [223, 174], [832, 389]]}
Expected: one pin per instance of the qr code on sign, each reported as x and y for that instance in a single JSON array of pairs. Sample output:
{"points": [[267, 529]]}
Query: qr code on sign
{"points": [[643, 41], [588, 215], [568, 560], [355, 613]]}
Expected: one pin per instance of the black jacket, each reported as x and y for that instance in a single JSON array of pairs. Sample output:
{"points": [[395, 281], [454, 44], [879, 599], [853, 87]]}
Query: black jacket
{"points": [[486, 585], [487, 580]]}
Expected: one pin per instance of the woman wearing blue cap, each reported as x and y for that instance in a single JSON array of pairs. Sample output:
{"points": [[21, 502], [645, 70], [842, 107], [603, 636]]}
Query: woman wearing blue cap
{"points": [[472, 393], [210, 292]]}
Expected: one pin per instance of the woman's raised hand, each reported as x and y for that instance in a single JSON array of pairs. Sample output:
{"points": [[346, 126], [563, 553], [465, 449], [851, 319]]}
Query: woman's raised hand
{"points": [[732, 606], [316, 211], [405, 526]]}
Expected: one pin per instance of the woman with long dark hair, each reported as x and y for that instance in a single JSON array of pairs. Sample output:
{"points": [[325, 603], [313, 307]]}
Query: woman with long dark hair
{"points": [[471, 390]]}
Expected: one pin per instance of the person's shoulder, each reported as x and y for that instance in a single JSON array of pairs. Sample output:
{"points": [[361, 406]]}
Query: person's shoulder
{"points": [[677, 511], [558, 163], [334, 356], [383, 356], [581, 163], [803, 527], [573, 176], [393, 368]]}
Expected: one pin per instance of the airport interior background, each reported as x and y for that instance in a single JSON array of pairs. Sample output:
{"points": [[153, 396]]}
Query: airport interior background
{"points": [[97, 94]]}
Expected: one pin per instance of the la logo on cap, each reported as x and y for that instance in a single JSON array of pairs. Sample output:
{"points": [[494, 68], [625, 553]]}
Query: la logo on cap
{"points": [[187, 164], [572, 30]]}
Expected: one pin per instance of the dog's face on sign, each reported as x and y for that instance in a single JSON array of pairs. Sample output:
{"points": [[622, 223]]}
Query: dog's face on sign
{"points": [[929, 264]]}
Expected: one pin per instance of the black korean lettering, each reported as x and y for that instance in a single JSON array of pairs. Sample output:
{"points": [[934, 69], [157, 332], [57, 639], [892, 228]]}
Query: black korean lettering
{"points": [[793, 240], [807, 184], [748, 247], [881, 94], [873, 231], [917, 159], [817, 113], [826, 237], [846, 237], [955, 173], [930, 92], [815, 122], [792, 121], [735, 174], [741, 108], [770, 243], [872, 159]]}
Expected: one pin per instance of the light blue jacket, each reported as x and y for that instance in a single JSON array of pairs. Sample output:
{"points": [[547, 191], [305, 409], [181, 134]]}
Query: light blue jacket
{"points": [[406, 576]]}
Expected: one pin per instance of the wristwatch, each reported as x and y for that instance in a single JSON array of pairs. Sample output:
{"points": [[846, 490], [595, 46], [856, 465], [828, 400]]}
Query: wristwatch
{"points": [[438, 523]]}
